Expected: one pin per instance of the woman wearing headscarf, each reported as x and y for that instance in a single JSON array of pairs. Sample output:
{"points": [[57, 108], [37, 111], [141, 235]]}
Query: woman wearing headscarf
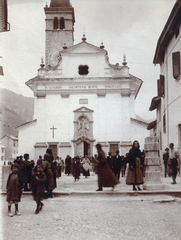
{"points": [[106, 178], [135, 173]]}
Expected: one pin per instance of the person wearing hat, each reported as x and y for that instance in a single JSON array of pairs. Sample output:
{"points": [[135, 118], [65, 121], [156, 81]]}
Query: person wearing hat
{"points": [[117, 164], [14, 189], [165, 160]]}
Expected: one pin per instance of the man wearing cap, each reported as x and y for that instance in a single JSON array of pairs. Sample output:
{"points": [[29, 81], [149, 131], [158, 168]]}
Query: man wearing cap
{"points": [[117, 164], [165, 159]]}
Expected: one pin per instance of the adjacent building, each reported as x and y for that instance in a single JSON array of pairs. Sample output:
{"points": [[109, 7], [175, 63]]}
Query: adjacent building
{"points": [[10, 147], [80, 98], [167, 103]]}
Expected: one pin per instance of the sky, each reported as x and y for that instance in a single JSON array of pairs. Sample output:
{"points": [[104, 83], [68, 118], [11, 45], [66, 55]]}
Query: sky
{"points": [[126, 27]]}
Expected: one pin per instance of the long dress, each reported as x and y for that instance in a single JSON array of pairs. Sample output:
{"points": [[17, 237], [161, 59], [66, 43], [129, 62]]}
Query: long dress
{"points": [[106, 177], [135, 173]]}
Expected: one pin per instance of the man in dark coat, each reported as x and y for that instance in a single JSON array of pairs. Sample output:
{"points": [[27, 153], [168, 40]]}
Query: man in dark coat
{"points": [[28, 166], [68, 162], [117, 163], [110, 160], [165, 160]]}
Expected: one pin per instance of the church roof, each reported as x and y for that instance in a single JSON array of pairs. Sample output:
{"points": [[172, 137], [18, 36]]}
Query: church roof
{"points": [[60, 3], [81, 45]]}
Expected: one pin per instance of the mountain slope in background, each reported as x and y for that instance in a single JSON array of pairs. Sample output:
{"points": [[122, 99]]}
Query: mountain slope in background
{"points": [[15, 110]]}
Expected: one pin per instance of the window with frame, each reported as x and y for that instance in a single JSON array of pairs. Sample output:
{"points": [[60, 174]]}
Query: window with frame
{"points": [[176, 64], [83, 70]]}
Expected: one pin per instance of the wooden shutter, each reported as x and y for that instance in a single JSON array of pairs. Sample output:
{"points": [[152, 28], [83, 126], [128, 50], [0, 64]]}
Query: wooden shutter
{"points": [[162, 85], [158, 87], [3, 16], [176, 64]]}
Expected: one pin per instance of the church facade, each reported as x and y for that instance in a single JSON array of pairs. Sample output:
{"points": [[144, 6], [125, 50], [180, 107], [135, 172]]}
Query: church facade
{"points": [[80, 98]]}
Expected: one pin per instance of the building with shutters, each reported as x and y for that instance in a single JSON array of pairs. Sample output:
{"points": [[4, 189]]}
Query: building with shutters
{"points": [[4, 25], [80, 98], [167, 103]]}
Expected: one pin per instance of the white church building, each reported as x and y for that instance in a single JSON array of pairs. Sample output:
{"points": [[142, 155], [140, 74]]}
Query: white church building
{"points": [[80, 98]]}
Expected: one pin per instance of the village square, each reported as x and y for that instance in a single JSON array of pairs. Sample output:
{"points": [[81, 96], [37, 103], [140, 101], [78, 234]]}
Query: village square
{"points": [[86, 165]]}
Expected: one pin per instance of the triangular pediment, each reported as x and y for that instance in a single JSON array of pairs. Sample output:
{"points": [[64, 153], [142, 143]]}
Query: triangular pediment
{"points": [[83, 109], [83, 47]]}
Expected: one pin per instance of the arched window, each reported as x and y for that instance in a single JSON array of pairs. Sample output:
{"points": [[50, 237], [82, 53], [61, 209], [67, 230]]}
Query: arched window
{"points": [[55, 23], [83, 69], [62, 23]]}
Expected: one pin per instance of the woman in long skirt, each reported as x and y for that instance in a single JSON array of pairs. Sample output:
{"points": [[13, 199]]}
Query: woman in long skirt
{"points": [[106, 177], [135, 173]]}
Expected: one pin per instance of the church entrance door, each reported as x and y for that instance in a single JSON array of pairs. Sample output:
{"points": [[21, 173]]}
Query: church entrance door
{"points": [[54, 150], [83, 148], [86, 149]]}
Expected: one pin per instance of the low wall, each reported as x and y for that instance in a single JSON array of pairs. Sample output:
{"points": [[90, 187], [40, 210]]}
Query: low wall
{"points": [[6, 170]]}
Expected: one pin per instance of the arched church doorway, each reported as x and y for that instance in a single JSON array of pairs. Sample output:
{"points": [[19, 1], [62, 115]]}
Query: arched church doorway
{"points": [[83, 132]]}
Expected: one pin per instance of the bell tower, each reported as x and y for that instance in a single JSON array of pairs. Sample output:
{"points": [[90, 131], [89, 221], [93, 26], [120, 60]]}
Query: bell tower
{"points": [[59, 30]]}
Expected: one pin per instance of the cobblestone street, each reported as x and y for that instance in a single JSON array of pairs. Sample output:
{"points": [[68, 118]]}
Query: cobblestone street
{"points": [[78, 212], [93, 217]]}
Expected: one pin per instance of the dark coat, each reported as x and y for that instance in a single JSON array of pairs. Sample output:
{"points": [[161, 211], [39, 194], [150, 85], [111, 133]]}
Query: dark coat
{"points": [[133, 154], [55, 172], [68, 162], [106, 178], [48, 157], [165, 158], [117, 164], [110, 161], [76, 169], [38, 186], [47, 168], [14, 187], [27, 173]]}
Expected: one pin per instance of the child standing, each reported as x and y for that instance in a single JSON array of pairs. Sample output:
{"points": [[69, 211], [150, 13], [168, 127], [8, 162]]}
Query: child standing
{"points": [[38, 187], [14, 189]]}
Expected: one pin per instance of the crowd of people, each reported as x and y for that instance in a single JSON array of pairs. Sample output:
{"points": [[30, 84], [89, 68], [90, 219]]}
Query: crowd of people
{"points": [[40, 178]]}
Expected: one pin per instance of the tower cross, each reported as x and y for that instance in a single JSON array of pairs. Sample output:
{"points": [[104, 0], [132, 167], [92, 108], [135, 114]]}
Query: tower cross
{"points": [[53, 131]]}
